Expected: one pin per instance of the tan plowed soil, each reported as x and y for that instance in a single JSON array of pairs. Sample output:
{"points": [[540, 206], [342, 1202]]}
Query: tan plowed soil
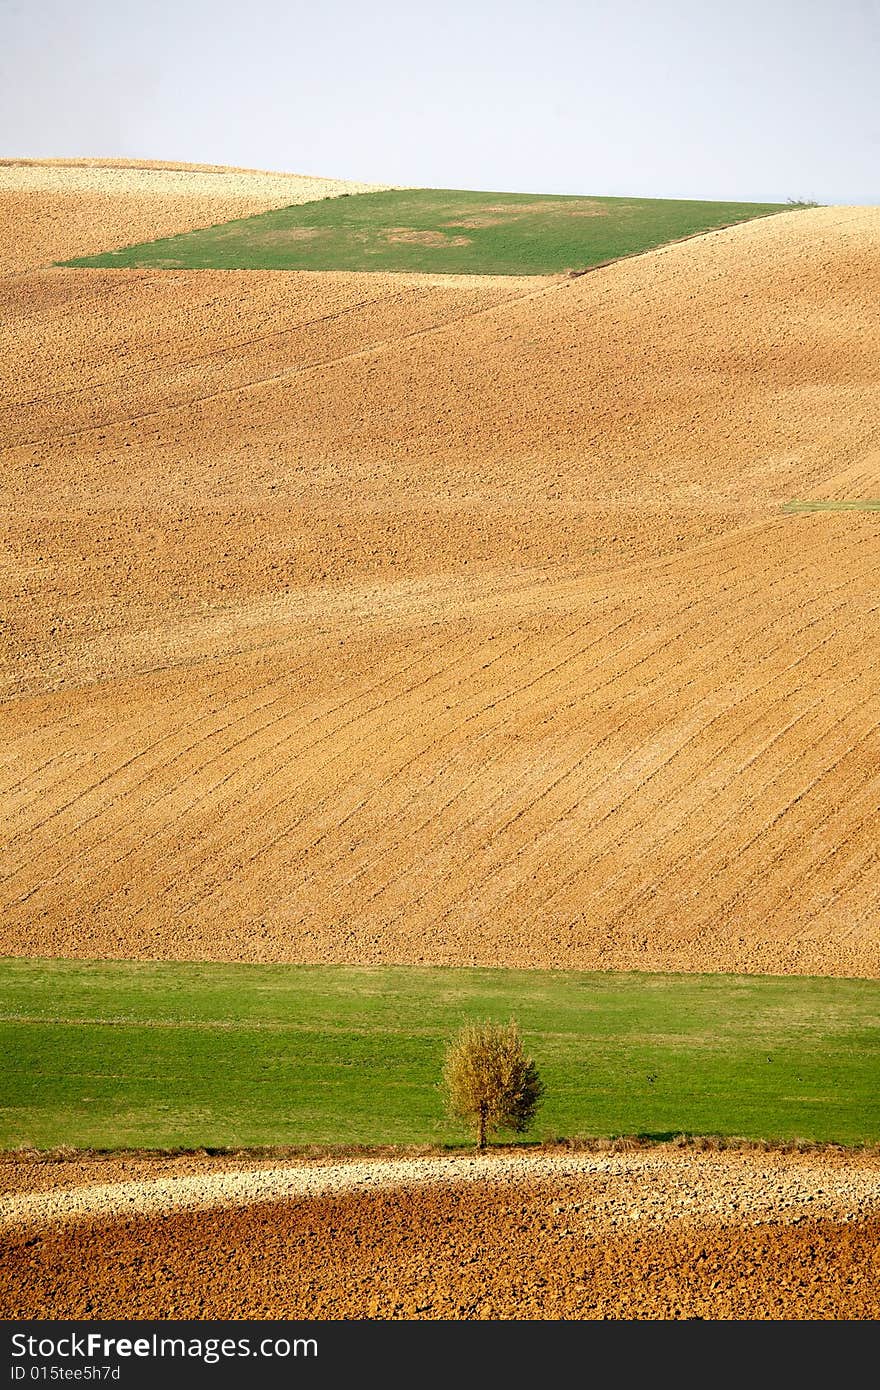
{"points": [[56, 209], [355, 618], [461, 1251], [115, 162], [657, 1184]]}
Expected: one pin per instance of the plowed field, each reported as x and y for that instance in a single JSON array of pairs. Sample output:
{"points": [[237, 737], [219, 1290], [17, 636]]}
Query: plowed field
{"points": [[373, 618], [726, 1237], [53, 209]]}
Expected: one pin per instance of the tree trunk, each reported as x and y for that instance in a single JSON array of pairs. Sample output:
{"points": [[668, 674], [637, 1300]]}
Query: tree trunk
{"points": [[481, 1131]]}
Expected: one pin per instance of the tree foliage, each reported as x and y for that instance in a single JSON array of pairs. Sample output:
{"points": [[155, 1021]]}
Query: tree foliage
{"points": [[489, 1081]]}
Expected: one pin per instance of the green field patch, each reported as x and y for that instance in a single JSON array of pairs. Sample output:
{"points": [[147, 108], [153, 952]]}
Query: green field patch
{"points": [[434, 231], [122, 1054], [867, 505]]}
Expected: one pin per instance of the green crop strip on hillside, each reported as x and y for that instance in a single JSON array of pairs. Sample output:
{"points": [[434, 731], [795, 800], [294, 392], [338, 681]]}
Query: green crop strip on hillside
{"points": [[123, 1054], [797, 508], [438, 230]]}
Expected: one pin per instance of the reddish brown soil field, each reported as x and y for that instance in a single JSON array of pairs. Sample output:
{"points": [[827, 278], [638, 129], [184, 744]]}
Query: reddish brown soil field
{"points": [[354, 618], [473, 1251], [650, 1233]]}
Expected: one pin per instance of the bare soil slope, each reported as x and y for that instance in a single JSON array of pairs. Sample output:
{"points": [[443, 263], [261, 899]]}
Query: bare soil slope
{"points": [[54, 209], [387, 618]]}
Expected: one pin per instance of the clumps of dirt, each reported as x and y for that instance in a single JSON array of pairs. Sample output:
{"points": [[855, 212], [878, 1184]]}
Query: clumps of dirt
{"points": [[25, 1172], [470, 1251]]}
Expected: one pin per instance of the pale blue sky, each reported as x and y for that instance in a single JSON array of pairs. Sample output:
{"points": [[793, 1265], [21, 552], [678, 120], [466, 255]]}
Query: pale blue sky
{"points": [[759, 99]]}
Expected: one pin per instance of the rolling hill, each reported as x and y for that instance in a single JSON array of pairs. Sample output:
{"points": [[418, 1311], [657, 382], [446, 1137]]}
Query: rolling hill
{"points": [[373, 618]]}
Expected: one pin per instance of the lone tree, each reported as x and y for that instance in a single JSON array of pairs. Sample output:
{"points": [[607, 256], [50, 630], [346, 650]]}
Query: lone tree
{"points": [[489, 1081]]}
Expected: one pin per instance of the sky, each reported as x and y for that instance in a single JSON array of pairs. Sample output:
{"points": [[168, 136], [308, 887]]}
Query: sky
{"points": [[759, 100]]}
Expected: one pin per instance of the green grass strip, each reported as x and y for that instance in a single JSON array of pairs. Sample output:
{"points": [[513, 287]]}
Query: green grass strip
{"points": [[795, 508], [433, 230], [123, 1054]]}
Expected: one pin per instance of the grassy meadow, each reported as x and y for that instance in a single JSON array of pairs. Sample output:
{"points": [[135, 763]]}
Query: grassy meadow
{"points": [[433, 230], [126, 1054]]}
